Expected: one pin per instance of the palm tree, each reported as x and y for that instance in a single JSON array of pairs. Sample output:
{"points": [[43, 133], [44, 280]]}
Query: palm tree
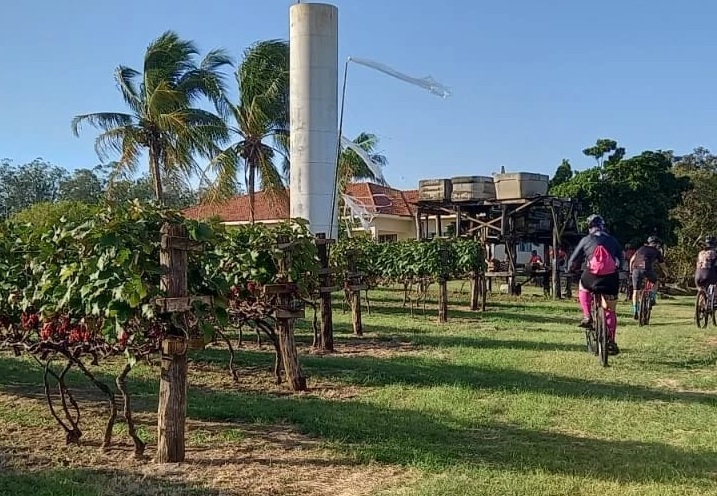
{"points": [[261, 115], [163, 119], [352, 168]]}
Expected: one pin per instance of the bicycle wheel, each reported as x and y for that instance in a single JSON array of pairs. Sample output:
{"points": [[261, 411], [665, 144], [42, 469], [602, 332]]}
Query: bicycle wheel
{"points": [[701, 310], [711, 306], [642, 315], [645, 309], [601, 327], [591, 339], [591, 332]]}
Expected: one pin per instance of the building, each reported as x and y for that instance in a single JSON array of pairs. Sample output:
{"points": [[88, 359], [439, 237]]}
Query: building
{"points": [[386, 213]]}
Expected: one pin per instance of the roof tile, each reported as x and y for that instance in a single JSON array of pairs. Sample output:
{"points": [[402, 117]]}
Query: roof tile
{"points": [[376, 198]]}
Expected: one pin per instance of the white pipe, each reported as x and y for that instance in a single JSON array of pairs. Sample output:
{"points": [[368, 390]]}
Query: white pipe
{"points": [[313, 101]]}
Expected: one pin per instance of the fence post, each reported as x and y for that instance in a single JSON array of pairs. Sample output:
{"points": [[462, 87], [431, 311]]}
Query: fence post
{"points": [[172, 409], [326, 340]]}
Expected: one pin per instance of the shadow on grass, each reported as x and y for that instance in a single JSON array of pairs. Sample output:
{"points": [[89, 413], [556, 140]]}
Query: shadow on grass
{"points": [[90, 482], [375, 433], [408, 437], [422, 371], [512, 313]]}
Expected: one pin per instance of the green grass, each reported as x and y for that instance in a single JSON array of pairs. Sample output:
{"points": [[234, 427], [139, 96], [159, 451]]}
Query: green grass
{"points": [[502, 403]]}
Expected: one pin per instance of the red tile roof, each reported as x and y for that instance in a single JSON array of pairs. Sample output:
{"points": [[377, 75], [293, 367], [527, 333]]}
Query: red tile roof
{"points": [[384, 200], [376, 198]]}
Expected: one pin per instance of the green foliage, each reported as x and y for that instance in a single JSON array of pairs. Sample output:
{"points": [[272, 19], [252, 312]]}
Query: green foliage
{"points": [[250, 256], [563, 174], [43, 216], [410, 260], [696, 213], [605, 146], [24, 185], [634, 195]]}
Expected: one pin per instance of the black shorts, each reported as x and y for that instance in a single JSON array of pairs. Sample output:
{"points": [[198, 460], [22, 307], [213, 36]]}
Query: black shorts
{"points": [[705, 277], [639, 276], [608, 285]]}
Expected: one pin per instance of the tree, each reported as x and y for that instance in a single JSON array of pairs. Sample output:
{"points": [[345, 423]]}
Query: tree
{"points": [[563, 174], [262, 114], [27, 184], [84, 185], [163, 118], [603, 147], [351, 167], [634, 195], [695, 215], [43, 216], [176, 195]]}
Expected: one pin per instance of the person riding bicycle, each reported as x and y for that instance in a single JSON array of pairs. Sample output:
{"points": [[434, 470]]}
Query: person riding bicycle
{"points": [[642, 266], [706, 267], [599, 256]]}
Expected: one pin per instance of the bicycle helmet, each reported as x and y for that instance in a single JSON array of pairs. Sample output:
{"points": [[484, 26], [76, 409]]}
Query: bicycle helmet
{"points": [[596, 221], [653, 240], [710, 241]]}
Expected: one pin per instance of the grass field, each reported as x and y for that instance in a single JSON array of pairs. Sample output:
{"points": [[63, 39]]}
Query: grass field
{"points": [[502, 403]]}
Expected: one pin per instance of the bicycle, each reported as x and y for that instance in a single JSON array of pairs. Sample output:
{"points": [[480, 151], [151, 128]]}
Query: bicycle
{"points": [[596, 336], [705, 307], [646, 303]]}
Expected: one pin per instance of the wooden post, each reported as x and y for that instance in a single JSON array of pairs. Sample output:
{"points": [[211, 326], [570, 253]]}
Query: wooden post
{"points": [[475, 290], [287, 346], [443, 287], [439, 227], [326, 342], [419, 230], [172, 410], [355, 285], [442, 300], [288, 309], [458, 221], [356, 313], [554, 262]]}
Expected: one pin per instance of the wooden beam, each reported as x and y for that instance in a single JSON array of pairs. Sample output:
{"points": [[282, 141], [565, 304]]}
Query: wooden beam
{"points": [[180, 303]]}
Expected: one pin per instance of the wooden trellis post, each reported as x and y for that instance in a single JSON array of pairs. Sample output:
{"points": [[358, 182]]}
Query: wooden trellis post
{"points": [[443, 286], [326, 338], [289, 307], [172, 409], [355, 284]]}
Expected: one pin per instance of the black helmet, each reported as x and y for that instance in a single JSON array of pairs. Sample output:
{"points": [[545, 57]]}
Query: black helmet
{"points": [[596, 220], [653, 240], [710, 241]]}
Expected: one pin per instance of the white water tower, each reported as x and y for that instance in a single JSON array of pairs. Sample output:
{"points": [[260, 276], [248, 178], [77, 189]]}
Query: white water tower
{"points": [[313, 102]]}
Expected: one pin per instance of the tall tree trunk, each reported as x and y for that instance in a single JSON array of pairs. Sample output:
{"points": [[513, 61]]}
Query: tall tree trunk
{"points": [[250, 188], [155, 171]]}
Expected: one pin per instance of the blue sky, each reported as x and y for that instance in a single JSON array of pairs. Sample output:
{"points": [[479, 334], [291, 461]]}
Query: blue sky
{"points": [[533, 82]]}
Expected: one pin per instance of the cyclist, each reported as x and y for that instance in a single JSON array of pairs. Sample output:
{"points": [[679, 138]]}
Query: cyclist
{"points": [[642, 266], [599, 256], [706, 268]]}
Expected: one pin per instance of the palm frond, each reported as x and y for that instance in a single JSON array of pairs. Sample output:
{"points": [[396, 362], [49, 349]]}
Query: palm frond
{"points": [[112, 141], [103, 121], [264, 72], [125, 78], [167, 58], [267, 170], [225, 168], [163, 99], [208, 81]]}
